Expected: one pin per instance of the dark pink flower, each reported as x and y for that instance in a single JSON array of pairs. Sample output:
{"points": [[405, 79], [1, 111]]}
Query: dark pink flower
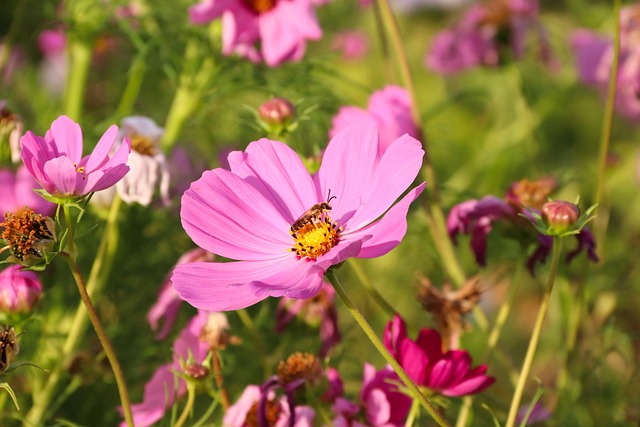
{"points": [[266, 212], [384, 404], [56, 161], [389, 109], [20, 290], [317, 311], [448, 373], [168, 303], [280, 27], [165, 386], [16, 193]]}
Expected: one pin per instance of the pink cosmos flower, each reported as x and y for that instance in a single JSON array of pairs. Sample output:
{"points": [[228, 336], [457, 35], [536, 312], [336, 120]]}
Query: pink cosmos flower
{"points": [[16, 193], [20, 290], [166, 307], [165, 386], [389, 109], [594, 57], [353, 45], [56, 161], [281, 27], [247, 407], [427, 365], [255, 213], [148, 165], [315, 311]]}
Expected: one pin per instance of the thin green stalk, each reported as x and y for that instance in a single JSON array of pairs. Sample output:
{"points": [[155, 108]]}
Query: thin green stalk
{"points": [[102, 336], [134, 83], [80, 61], [384, 44], [370, 333], [366, 283], [605, 137], [535, 336], [191, 398], [71, 249], [413, 413]]}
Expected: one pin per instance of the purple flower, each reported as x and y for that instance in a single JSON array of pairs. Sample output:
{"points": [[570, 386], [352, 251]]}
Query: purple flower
{"points": [[56, 161], [315, 311], [270, 214], [165, 386], [389, 109], [16, 193], [427, 365], [168, 303], [20, 290], [280, 27]]}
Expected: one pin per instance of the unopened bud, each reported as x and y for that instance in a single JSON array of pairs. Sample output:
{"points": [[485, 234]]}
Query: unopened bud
{"points": [[20, 290], [9, 347], [277, 112], [560, 215], [196, 371]]}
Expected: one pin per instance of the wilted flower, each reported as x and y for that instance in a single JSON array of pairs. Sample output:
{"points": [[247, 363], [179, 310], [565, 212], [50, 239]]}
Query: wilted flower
{"points": [[20, 290], [448, 373], [487, 34], [165, 386], [280, 27], [9, 347], [56, 161], [299, 366], [168, 303], [389, 109], [27, 235], [11, 128], [16, 193], [275, 223], [594, 58], [476, 217], [315, 311]]}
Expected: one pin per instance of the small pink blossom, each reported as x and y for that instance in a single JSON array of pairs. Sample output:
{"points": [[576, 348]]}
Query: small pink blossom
{"points": [[280, 27], [448, 373], [20, 290], [166, 307], [165, 386], [352, 45], [389, 109], [16, 193], [56, 161], [53, 70], [253, 213]]}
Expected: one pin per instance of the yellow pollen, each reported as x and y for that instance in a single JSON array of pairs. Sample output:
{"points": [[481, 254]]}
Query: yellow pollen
{"points": [[316, 237], [142, 145], [80, 169]]}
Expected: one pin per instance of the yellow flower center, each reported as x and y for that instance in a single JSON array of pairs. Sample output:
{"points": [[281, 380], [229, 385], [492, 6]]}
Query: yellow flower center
{"points": [[315, 235], [142, 145]]}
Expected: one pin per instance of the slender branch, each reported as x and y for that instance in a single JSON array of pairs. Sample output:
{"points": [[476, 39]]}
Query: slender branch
{"points": [[102, 336], [370, 333], [191, 398], [366, 283], [80, 58], [535, 336], [217, 374]]}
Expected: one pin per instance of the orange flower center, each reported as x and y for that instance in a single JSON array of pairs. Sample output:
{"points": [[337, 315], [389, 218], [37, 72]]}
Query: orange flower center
{"points": [[27, 233], [142, 145], [260, 6]]}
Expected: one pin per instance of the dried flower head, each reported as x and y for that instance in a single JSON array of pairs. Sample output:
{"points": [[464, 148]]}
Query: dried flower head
{"points": [[448, 306], [196, 371], [299, 366], [530, 194], [11, 128], [27, 234], [272, 414], [214, 331], [9, 347]]}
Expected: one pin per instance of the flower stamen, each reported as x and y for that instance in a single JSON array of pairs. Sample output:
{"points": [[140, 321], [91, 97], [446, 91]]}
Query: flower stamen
{"points": [[142, 145], [315, 236], [260, 6]]}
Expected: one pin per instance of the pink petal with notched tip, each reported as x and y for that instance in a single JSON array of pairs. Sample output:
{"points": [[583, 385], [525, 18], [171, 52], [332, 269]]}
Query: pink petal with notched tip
{"points": [[227, 216], [68, 138]]}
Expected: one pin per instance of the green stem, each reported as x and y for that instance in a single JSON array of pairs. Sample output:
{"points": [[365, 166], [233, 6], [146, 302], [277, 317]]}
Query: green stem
{"points": [[71, 249], [370, 333], [102, 336], [366, 283], [80, 59], [193, 79], [97, 277], [535, 336], [605, 136], [386, 56], [191, 398], [413, 413], [134, 83]]}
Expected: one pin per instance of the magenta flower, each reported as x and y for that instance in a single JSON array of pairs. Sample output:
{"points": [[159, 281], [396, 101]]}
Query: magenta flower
{"points": [[166, 307], [280, 27], [20, 290], [389, 109], [266, 213], [317, 311], [427, 365], [594, 57], [478, 39], [16, 193], [56, 161], [165, 386]]}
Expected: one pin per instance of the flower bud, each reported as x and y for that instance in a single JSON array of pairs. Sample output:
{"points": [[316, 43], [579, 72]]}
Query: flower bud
{"points": [[196, 371], [9, 347], [20, 290], [560, 215], [277, 112]]}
